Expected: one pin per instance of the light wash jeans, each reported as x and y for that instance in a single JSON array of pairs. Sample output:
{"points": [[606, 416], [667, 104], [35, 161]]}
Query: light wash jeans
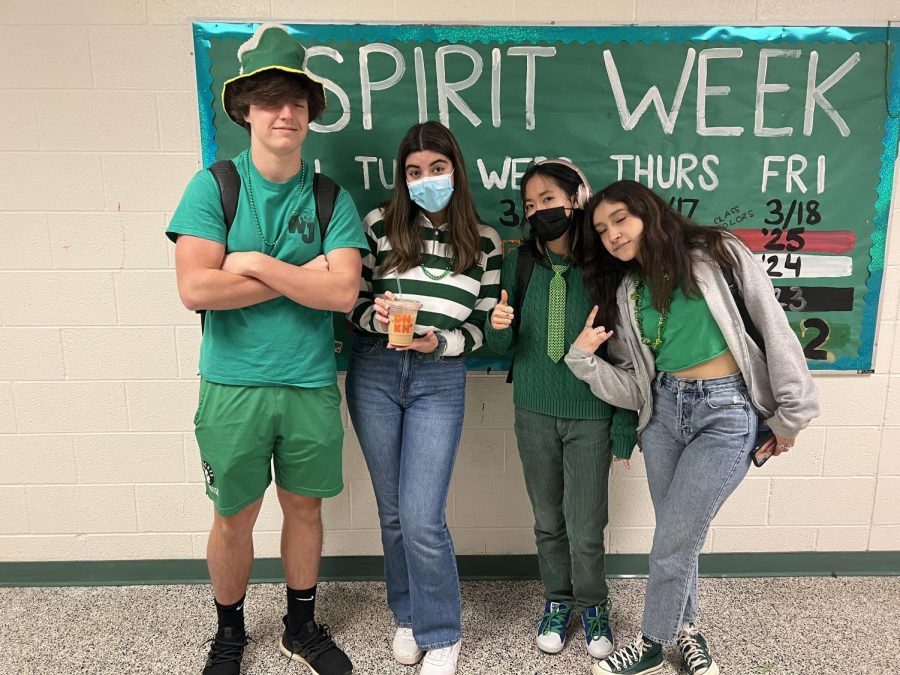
{"points": [[408, 416], [697, 450]]}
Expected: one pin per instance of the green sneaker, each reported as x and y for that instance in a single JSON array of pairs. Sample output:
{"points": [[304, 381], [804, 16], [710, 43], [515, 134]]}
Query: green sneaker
{"points": [[641, 657], [696, 652]]}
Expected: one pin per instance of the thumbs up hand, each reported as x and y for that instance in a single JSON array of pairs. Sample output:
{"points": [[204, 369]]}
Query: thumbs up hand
{"points": [[503, 315]]}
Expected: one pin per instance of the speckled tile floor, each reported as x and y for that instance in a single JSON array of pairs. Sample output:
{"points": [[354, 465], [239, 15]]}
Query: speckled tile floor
{"points": [[796, 626]]}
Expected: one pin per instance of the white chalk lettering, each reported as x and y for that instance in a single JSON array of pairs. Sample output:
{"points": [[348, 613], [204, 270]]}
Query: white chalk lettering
{"points": [[704, 90], [448, 91], [367, 86], [530, 54], [344, 119], [679, 170], [763, 88], [796, 165], [492, 179], [667, 118], [421, 90], [815, 93], [365, 161]]}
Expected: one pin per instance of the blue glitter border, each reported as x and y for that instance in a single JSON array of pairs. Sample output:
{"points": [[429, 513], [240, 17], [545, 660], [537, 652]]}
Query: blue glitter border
{"points": [[203, 63], [877, 252], [564, 34], [204, 31]]}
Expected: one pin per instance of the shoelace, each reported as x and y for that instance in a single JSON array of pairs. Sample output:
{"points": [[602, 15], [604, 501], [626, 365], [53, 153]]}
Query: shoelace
{"points": [[694, 654], [315, 645], [597, 624], [225, 651], [556, 619], [629, 654]]}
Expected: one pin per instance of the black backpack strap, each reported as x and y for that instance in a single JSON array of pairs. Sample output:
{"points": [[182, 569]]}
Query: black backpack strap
{"points": [[749, 327], [229, 181], [325, 192], [524, 268]]}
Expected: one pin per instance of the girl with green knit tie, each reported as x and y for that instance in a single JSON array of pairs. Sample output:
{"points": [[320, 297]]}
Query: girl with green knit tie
{"points": [[566, 436]]}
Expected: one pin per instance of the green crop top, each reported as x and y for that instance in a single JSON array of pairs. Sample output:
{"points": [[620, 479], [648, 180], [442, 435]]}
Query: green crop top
{"points": [[690, 337]]}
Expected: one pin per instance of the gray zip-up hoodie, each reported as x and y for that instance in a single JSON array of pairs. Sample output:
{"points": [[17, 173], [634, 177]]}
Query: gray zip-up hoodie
{"points": [[780, 385]]}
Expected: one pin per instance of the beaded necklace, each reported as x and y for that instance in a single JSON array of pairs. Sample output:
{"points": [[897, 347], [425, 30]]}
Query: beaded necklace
{"points": [[437, 277], [431, 275], [638, 297], [291, 209]]}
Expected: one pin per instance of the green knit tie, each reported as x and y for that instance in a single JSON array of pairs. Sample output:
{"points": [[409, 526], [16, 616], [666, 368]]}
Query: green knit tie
{"points": [[556, 314]]}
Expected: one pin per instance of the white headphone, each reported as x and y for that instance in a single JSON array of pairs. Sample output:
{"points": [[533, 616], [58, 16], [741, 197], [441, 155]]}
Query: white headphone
{"points": [[583, 193]]}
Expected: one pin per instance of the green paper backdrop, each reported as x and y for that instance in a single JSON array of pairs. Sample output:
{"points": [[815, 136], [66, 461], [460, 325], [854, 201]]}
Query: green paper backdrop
{"points": [[781, 134]]}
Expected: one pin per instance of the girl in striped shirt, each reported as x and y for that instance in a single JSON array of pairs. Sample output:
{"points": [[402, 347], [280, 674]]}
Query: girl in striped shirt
{"points": [[407, 402]]}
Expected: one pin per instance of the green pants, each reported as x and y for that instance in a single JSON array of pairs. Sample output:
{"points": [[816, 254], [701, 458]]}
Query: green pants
{"points": [[566, 464]]}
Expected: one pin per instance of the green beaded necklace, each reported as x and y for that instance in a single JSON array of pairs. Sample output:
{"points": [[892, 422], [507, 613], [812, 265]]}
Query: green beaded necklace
{"points": [[437, 277], [291, 209], [431, 275], [638, 297]]}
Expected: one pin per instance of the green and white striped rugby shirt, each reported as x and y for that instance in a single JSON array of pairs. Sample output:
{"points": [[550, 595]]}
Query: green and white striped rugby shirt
{"points": [[457, 304]]}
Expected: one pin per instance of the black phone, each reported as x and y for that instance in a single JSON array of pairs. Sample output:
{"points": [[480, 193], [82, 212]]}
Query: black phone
{"points": [[763, 434]]}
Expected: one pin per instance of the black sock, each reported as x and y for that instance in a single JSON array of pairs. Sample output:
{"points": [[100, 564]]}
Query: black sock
{"points": [[231, 616], [301, 607]]}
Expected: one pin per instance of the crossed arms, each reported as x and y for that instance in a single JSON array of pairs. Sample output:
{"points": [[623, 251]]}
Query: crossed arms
{"points": [[210, 279]]}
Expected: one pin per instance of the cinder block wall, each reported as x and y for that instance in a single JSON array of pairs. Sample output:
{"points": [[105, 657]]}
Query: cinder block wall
{"points": [[98, 359]]}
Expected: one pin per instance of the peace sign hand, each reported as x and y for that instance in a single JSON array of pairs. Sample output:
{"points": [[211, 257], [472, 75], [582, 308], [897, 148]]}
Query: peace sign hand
{"points": [[591, 338]]}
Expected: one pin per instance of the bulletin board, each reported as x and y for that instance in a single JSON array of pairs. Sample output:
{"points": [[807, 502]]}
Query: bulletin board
{"points": [[786, 136]]}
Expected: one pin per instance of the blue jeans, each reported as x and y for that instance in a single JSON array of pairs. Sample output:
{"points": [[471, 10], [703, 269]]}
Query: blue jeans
{"points": [[408, 416], [697, 451]]}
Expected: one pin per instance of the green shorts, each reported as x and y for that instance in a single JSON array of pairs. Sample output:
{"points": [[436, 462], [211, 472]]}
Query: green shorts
{"points": [[242, 430]]}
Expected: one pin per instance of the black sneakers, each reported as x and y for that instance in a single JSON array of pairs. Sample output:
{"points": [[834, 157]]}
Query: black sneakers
{"points": [[313, 645], [226, 652]]}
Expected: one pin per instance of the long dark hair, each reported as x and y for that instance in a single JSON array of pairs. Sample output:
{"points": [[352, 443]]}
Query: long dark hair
{"points": [[666, 244], [568, 180], [401, 212]]}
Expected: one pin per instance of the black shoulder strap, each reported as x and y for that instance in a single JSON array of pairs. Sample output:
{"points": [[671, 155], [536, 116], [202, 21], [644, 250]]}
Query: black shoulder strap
{"points": [[325, 191], [229, 188], [229, 182], [749, 327], [524, 268]]}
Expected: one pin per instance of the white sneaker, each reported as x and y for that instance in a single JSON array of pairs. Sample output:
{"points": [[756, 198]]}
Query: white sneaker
{"points": [[406, 651], [441, 661]]}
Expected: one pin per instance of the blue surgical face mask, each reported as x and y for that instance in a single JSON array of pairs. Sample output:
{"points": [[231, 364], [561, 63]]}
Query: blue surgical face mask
{"points": [[432, 193]]}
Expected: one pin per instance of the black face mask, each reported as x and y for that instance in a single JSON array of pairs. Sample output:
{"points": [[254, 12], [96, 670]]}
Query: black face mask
{"points": [[550, 224]]}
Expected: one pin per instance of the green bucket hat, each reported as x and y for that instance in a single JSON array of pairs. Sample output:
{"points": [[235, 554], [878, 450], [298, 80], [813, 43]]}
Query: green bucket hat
{"points": [[270, 48]]}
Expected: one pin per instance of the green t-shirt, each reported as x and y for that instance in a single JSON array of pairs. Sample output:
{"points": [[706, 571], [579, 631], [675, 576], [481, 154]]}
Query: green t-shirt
{"points": [[278, 342], [690, 337]]}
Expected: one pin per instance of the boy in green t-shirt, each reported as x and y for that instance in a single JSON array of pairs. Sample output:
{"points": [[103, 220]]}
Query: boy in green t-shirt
{"points": [[268, 391]]}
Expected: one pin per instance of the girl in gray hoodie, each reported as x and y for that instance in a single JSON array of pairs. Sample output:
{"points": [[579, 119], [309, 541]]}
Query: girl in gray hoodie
{"points": [[679, 354]]}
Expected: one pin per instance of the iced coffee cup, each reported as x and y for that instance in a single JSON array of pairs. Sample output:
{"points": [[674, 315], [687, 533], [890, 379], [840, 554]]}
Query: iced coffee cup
{"points": [[402, 321]]}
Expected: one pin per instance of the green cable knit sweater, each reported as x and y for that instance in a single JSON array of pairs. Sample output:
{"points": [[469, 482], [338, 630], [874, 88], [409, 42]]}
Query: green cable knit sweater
{"points": [[539, 385]]}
